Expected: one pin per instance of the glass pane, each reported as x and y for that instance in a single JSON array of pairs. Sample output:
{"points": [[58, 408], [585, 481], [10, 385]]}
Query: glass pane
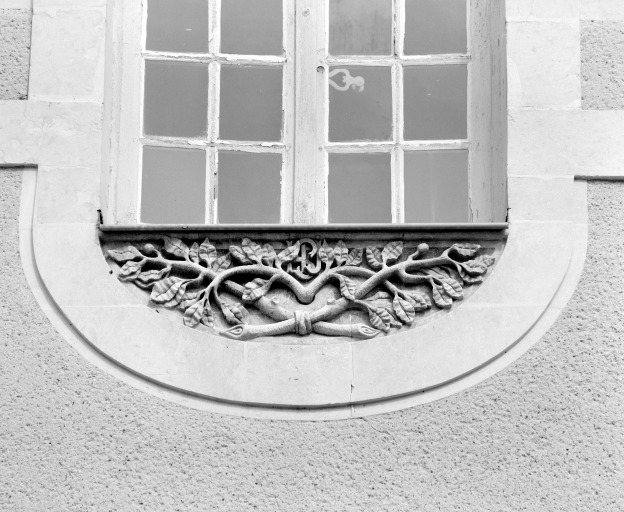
{"points": [[436, 186], [359, 188], [436, 102], [360, 104], [359, 27], [177, 25], [173, 186], [176, 99], [435, 26], [251, 27], [249, 188], [251, 103]]}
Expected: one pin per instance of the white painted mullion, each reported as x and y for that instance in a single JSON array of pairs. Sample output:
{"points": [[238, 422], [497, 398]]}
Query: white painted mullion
{"points": [[397, 164], [435, 60], [411, 60], [309, 197], [288, 113], [322, 116], [435, 145], [214, 81], [140, 121], [469, 106], [361, 147], [398, 186], [212, 181], [399, 29]]}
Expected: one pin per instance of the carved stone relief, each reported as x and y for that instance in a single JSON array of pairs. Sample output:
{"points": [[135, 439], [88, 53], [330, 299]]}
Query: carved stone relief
{"points": [[302, 287]]}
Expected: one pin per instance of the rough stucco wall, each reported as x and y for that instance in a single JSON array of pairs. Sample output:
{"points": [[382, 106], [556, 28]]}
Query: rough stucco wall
{"points": [[14, 53], [602, 64], [545, 434]]}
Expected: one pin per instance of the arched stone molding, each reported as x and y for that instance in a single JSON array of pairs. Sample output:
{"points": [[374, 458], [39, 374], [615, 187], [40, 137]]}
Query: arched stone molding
{"points": [[509, 312]]}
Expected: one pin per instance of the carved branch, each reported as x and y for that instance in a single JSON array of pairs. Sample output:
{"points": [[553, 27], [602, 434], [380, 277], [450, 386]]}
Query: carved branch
{"points": [[191, 278]]}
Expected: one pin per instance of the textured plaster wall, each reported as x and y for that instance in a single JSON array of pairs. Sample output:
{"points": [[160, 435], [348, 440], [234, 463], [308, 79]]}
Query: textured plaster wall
{"points": [[15, 27], [545, 434], [602, 64]]}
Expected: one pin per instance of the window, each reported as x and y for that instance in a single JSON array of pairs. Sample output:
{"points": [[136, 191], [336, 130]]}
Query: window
{"points": [[312, 112]]}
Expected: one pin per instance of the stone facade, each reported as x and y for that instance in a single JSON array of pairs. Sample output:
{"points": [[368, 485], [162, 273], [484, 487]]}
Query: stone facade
{"points": [[543, 434]]}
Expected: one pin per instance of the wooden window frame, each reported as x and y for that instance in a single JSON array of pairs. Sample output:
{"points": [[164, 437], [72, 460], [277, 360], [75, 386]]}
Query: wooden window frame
{"points": [[304, 191]]}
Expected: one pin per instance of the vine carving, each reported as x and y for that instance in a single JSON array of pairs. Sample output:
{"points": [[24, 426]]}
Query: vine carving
{"points": [[386, 284]]}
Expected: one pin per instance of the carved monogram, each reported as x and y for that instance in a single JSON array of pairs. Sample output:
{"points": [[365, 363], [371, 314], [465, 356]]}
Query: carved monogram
{"points": [[390, 287]]}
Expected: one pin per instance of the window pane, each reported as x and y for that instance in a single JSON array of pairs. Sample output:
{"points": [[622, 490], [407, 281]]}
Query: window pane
{"points": [[176, 99], [360, 104], [359, 27], [177, 25], [251, 27], [249, 188], [436, 186], [173, 186], [435, 26], [436, 102], [359, 188], [251, 103]]}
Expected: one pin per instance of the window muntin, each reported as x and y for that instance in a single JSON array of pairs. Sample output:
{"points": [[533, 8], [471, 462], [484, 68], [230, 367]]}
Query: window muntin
{"points": [[306, 166]]}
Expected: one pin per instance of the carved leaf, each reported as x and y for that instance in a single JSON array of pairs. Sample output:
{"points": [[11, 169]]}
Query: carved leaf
{"points": [[193, 314], [256, 289], [380, 295], [382, 301], [463, 252], [451, 291], [185, 298], [270, 255], [222, 263], [326, 254], [341, 253], [420, 301], [234, 314], [253, 251], [440, 298], [380, 319], [182, 295], [240, 255], [488, 261], [207, 253], [207, 317], [126, 254], [451, 287], [479, 265], [175, 247], [151, 276], [468, 279], [194, 253], [391, 252], [290, 253], [187, 303], [355, 257], [131, 270], [373, 257], [404, 310], [166, 290], [240, 312], [347, 287]]}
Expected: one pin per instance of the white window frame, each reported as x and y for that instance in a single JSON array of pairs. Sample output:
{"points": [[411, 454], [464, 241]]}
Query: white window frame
{"points": [[304, 190]]}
